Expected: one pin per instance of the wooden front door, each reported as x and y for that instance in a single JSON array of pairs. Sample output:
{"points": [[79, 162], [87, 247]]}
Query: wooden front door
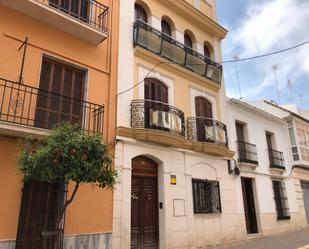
{"points": [[144, 204], [249, 205], [203, 109]]}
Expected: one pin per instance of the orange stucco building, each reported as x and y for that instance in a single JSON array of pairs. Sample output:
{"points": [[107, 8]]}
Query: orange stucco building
{"points": [[69, 73]]}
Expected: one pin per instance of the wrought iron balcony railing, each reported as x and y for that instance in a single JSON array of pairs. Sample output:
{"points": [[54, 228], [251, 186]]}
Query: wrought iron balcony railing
{"points": [[90, 12], [247, 152], [26, 105], [151, 114], [276, 159], [207, 130], [161, 44]]}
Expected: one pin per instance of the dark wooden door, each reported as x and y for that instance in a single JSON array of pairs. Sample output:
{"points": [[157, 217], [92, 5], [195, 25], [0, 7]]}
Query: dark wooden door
{"points": [[240, 132], [249, 205], [203, 109], [40, 209], [60, 95], [156, 90], [144, 204]]}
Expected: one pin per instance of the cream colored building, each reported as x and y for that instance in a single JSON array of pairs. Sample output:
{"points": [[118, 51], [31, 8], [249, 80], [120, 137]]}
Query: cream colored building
{"points": [[172, 153]]}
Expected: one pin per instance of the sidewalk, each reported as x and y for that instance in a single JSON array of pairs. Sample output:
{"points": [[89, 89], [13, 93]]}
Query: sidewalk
{"points": [[298, 239]]}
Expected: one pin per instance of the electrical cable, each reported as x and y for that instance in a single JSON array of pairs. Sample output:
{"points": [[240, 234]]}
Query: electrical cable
{"points": [[222, 62]]}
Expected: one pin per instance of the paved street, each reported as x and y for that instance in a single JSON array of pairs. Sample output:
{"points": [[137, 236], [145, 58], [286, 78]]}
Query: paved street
{"points": [[292, 240]]}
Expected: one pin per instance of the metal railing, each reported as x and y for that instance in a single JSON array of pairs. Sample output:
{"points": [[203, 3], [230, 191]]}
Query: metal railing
{"points": [[156, 115], [276, 159], [208, 130], [247, 152], [26, 105], [90, 12], [161, 44]]}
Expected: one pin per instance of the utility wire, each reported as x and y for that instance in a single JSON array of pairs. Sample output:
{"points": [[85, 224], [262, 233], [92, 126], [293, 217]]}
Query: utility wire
{"points": [[268, 54], [222, 62]]}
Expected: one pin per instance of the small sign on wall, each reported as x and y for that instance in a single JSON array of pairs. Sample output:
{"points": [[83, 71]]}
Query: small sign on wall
{"points": [[173, 180]]}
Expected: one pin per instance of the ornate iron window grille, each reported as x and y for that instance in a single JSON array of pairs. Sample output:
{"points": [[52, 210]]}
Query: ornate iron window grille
{"points": [[281, 200], [213, 131], [206, 196], [156, 115]]}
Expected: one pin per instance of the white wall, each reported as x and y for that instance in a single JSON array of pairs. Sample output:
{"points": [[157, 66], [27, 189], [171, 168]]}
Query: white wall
{"points": [[257, 124]]}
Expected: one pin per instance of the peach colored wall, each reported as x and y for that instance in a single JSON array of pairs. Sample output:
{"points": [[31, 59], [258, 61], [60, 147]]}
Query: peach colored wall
{"points": [[91, 212], [10, 189]]}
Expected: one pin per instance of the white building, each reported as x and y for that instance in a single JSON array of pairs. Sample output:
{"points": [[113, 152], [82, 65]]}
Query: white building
{"points": [[269, 191], [297, 128]]}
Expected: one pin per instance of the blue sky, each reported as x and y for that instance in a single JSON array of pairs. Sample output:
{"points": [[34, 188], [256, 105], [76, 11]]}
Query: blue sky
{"points": [[262, 26]]}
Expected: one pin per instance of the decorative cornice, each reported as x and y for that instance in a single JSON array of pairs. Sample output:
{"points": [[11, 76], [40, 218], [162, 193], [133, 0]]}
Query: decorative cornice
{"points": [[192, 13], [174, 140]]}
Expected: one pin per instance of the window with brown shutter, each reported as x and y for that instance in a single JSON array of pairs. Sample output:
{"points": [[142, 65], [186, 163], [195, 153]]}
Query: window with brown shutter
{"points": [[60, 94], [156, 90], [40, 210]]}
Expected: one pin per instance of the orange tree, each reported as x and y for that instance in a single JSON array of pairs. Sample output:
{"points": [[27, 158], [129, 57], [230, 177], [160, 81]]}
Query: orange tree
{"points": [[67, 154]]}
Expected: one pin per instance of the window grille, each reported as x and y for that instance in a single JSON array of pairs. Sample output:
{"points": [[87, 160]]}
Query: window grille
{"points": [[206, 196], [281, 200]]}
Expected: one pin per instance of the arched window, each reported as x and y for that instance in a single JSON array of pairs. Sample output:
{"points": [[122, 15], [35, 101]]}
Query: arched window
{"points": [[206, 51], [166, 28], [188, 40], [203, 107], [156, 90], [140, 13]]}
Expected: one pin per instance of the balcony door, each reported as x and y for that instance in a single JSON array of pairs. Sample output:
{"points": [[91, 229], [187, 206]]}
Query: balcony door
{"points": [[60, 95], [80, 9], [203, 112]]}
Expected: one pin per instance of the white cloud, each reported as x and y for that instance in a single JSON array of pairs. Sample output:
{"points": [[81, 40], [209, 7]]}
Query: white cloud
{"points": [[269, 26]]}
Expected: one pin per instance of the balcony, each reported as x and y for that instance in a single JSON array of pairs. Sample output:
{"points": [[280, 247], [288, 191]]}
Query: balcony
{"points": [[26, 110], [276, 160], [148, 114], [247, 153], [165, 46], [207, 130], [86, 19]]}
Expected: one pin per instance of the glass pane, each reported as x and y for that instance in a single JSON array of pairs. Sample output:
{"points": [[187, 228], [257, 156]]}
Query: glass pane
{"points": [[292, 136], [196, 64], [213, 73], [173, 52], [149, 40]]}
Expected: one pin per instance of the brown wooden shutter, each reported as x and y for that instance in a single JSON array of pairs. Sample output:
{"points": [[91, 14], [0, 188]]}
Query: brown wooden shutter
{"points": [[60, 95], [156, 90], [78, 8], [40, 209], [203, 108]]}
